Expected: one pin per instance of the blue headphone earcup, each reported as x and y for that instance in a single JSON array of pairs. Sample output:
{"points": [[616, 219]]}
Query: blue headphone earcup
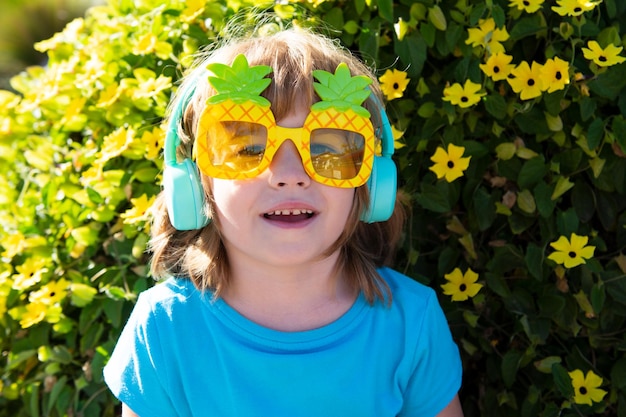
{"points": [[382, 189], [184, 196]]}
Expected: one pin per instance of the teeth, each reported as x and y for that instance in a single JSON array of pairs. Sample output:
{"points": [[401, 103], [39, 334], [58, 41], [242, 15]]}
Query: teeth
{"points": [[292, 212]]}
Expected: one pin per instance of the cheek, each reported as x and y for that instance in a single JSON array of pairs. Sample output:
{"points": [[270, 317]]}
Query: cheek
{"points": [[229, 198], [343, 200]]}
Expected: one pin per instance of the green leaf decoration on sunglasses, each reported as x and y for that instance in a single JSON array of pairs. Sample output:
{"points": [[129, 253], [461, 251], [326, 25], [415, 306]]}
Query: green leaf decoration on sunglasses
{"points": [[341, 90], [239, 82]]}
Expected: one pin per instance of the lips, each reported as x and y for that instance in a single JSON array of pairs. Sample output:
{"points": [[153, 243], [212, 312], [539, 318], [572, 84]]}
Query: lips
{"points": [[289, 215]]}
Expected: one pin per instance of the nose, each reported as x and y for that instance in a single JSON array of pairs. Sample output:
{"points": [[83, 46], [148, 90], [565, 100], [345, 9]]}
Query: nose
{"points": [[286, 168]]}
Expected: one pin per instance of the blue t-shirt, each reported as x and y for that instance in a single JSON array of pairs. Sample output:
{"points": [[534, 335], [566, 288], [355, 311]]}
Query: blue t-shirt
{"points": [[184, 354]]}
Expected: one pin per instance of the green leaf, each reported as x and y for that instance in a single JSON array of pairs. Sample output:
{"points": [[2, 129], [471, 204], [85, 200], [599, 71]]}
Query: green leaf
{"points": [[498, 285], [545, 365], [598, 297], [485, 208], [413, 50], [527, 26], [429, 33], [563, 184], [510, 366], [431, 198], [595, 133], [534, 260], [618, 374], [562, 380], [607, 209], [583, 201], [437, 18], [520, 223], [543, 198], [532, 172], [495, 105], [609, 83], [588, 108], [619, 130], [567, 222], [82, 294], [498, 15], [54, 393], [551, 305], [477, 13], [385, 10], [334, 18], [526, 202]]}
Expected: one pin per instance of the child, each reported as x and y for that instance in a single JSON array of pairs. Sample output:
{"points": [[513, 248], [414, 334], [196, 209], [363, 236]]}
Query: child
{"points": [[275, 221]]}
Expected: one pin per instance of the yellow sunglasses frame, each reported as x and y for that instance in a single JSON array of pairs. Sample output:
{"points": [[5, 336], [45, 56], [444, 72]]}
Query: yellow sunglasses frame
{"points": [[277, 135]]}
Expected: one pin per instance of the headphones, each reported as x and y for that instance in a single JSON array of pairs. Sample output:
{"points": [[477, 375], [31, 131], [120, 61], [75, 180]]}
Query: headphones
{"points": [[185, 197]]}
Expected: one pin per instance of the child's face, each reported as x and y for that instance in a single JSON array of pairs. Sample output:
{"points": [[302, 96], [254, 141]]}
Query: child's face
{"points": [[281, 217]]}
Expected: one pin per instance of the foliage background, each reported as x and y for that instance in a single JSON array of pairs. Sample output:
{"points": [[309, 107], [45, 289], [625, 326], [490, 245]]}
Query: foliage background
{"points": [[80, 141]]}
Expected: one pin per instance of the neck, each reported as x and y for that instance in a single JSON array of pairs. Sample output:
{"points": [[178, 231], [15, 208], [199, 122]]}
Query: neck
{"points": [[289, 298]]}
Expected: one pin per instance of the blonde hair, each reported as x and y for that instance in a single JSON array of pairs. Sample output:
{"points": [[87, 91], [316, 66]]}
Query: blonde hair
{"points": [[293, 54]]}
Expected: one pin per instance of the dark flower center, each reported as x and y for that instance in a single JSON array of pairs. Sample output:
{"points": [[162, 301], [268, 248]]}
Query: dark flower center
{"points": [[496, 69], [462, 287], [582, 390], [602, 58], [572, 254], [558, 75], [577, 9], [526, 3], [396, 86], [464, 99], [450, 164], [52, 293], [531, 82]]}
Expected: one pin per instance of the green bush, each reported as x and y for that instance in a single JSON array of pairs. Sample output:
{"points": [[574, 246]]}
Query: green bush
{"points": [[513, 116]]}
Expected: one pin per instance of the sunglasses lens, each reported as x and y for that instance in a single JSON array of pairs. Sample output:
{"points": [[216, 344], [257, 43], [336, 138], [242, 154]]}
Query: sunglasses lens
{"points": [[235, 146], [337, 153]]}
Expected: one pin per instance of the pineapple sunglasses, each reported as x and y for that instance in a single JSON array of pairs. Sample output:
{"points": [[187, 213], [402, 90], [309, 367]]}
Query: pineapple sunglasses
{"points": [[237, 136]]}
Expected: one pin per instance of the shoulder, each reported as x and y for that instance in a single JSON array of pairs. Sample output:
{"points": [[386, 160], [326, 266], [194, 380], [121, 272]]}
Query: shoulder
{"points": [[405, 289], [173, 294], [415, 305]]}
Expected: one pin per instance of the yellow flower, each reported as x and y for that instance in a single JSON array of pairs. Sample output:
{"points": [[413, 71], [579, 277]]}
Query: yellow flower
{"points": [[529, 6], [574, 7], [150, 87], [29, 273], [498, 66], [13, 244], [487, 36], [52, 293], [526, 80], [115, 143], [461, 286], [4, 292], [139, 212], [109, 95], [573, 252], [145, 44], [35, 312], [603, 57], [393, 83], [153, 140], [586, 389], [449, 165], [193, 9], [463, 96], [555, 74]]}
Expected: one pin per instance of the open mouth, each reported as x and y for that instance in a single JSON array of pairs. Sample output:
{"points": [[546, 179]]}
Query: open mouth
{"points": [[290, 216]]}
